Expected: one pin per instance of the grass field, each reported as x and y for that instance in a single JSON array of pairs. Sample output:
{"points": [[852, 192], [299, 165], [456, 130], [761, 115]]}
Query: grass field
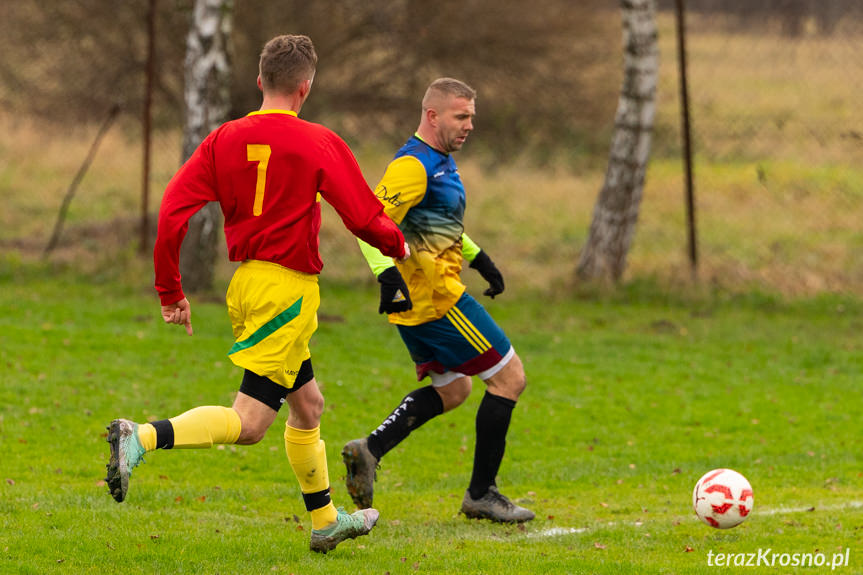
{"points": [[631, 398], [633, 392]]}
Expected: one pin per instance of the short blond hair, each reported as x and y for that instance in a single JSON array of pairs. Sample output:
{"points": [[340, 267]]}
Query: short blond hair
{"points": [[286, 62], [443, 87]]}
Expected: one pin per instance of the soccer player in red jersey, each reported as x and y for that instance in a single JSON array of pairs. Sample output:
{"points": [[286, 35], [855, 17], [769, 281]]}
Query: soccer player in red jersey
{"points": [[268, 171]]}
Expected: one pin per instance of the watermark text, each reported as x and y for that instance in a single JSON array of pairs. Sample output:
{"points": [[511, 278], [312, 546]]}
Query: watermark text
{"points": [[769, 558]]}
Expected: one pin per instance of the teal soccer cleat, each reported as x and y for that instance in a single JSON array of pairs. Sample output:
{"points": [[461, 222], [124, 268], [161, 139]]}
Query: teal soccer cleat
{"points": [[126, 454], [347, 526]]}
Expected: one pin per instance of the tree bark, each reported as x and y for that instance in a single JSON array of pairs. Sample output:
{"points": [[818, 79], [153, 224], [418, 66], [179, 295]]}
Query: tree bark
{"points": [[207, 95], [616, 212]]}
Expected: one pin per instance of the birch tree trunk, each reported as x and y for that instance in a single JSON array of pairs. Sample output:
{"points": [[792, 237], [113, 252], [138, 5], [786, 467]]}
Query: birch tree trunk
{"points": [[616, 212], [207, 96]]}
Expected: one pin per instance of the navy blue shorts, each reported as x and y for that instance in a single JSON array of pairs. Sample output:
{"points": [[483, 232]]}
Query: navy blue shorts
{"points": [[466, 341]]}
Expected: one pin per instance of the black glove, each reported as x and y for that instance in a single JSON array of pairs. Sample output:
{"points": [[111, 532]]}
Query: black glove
{"points": [[489, 272], [394, 292]]}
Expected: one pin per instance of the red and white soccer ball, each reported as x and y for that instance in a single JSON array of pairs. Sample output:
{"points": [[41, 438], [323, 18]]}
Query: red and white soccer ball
{"points": [[722, 498]]}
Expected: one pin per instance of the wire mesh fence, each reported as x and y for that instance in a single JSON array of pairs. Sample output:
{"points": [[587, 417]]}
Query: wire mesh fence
{"points": [[776, 131], [777, 140]]}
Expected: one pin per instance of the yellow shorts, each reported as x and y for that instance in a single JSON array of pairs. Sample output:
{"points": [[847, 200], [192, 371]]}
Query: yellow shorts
{"points": [[274, 312]]}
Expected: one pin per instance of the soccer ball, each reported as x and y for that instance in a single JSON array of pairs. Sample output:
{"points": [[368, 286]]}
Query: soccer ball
{"points": [[722, 498]]}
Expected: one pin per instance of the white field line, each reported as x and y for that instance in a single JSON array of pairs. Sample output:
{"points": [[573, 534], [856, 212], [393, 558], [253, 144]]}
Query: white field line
{"points": [[813, 508], [561, 531]]}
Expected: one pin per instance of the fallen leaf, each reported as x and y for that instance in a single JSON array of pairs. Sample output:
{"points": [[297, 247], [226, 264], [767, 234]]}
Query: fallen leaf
{"points": [[598, 545]]}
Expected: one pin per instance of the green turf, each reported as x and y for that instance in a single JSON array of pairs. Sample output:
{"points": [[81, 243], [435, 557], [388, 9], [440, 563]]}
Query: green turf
{"points": [[631, 397]]}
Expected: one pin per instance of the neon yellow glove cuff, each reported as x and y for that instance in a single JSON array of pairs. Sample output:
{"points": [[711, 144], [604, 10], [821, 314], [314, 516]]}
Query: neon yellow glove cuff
{"points": [[469, 249], [377, 261]]}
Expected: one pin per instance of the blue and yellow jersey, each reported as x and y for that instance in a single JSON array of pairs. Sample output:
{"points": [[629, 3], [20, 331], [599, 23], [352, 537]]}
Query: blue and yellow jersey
{"points": [[423, 194]]}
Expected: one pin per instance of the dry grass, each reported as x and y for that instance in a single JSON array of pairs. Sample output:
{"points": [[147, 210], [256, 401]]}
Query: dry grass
{"points": [[38, 163], [779, 189], [763, 95]]}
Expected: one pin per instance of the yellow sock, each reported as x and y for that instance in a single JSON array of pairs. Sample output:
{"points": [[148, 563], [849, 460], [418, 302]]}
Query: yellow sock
{"points": [[203, 426], [308, 458], [147, 436]]}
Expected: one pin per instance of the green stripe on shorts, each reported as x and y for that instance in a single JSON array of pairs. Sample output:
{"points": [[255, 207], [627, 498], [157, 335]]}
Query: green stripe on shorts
{"points": [[268, 328]]}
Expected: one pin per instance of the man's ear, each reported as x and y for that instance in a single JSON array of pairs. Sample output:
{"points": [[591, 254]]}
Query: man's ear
{"points": [[305, 88], [260, 84]]}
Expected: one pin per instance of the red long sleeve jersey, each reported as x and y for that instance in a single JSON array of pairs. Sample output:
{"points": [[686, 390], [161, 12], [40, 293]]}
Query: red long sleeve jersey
{"points": [[267, 170]]}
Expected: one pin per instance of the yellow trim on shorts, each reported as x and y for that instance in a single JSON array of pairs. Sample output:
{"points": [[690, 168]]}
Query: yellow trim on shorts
{"points": [[468, 330]]}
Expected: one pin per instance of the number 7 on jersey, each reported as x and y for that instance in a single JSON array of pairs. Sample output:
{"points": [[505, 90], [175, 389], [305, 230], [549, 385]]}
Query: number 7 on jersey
{"points": [[259, 153]]}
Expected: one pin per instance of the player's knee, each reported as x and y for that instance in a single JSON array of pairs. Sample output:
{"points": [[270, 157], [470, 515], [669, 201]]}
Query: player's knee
{"points": [[252, 432], [455, 393], [463, 390], [519, 384], [306, 408], [514, 385], [509, 382], [316, 408]]}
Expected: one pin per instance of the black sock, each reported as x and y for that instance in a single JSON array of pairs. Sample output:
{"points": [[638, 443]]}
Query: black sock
{"points": [[416, 408], [164, 434], [492, 423]]}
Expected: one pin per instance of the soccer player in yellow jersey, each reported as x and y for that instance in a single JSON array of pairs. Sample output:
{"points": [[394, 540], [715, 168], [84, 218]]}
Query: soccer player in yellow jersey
{"points": [[268, 171], [449, 335]]}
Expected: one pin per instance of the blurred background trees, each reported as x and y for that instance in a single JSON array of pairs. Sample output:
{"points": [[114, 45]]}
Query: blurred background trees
{"points": [[546, 77], [774, 87]]}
